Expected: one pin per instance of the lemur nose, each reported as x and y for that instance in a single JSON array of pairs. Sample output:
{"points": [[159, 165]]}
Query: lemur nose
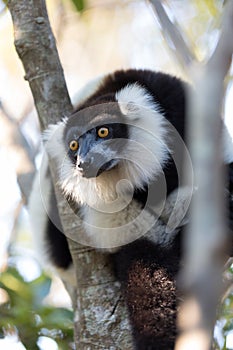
{"points": [[82, 165], [86, 167]]}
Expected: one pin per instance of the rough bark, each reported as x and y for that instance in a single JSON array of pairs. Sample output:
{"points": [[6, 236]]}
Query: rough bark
{"points": [[97, 289], [36, 47]]}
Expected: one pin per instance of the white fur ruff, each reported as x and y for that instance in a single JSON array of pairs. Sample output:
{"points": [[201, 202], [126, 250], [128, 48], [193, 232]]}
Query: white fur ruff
{"points": [[110, 216]]}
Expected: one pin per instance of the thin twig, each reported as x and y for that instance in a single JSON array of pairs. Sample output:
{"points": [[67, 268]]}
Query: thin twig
{"points": [[172, 34]]}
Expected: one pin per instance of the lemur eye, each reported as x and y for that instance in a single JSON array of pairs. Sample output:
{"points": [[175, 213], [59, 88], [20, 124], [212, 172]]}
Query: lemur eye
{"points": [[103, 132], [74, 145]]}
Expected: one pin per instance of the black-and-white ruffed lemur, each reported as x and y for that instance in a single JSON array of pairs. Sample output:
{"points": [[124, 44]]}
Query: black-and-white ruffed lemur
{"points": [[120, 156]]}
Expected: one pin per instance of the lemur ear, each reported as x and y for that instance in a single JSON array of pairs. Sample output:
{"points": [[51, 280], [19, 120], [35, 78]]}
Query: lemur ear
{"points": [[133, 99]]}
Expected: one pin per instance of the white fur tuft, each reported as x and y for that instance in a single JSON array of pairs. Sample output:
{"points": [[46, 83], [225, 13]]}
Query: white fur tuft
{"points": [[133, 98], [54, 143], [53, 138], [148, 149]]}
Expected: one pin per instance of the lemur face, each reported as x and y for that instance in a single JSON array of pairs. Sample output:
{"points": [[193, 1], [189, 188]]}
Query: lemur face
{"points": [[97, 150], [98, 146]]}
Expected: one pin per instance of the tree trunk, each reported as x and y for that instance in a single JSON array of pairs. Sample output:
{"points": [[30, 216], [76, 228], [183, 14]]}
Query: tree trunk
{"points": [[100, 316]]}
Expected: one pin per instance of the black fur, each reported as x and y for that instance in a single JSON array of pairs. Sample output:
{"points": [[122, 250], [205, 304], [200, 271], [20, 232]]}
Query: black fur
{"points": [[57, 245], [148, 275]]}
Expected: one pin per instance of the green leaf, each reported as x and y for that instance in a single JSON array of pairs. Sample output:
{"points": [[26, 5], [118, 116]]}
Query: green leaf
{"points": [[16, 287], [40, 287], [53, 317], [79, 4], [26, 312]]}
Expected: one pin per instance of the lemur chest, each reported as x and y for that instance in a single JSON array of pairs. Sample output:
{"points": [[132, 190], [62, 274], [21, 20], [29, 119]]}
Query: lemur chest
{"points": [[116, 224]]}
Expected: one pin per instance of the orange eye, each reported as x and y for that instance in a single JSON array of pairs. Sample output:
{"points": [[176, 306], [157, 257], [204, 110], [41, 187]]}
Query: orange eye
{"points": [[74, 145], [103, 132]]}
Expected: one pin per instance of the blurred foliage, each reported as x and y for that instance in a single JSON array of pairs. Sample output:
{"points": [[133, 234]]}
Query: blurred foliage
{"points": [[225, 315], [25, 314], [79, 4], [210, 4]]}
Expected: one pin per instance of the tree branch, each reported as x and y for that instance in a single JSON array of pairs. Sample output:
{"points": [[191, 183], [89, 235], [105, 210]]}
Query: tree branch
{"points": [[172, 34], [206, 240]]}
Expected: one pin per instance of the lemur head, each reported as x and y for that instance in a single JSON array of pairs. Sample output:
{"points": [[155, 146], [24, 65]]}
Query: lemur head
{"points": [[110, 138], [95, 139]]}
